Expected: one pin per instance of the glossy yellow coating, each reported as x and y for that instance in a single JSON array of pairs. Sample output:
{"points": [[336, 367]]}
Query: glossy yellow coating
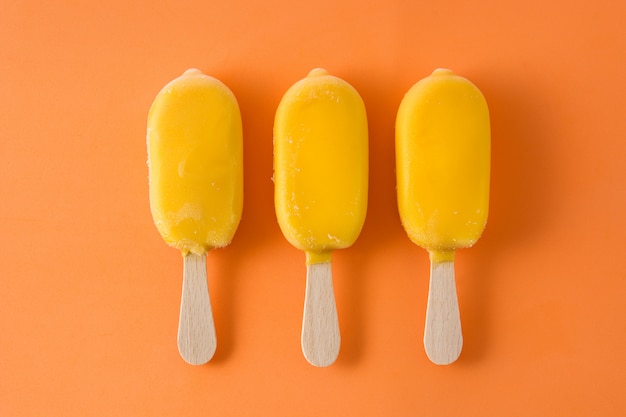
{"points": [[443, 144], [195, 160], [321, 165]]}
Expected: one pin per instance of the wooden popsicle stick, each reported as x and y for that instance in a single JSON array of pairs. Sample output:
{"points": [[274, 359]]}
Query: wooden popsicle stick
{"points": [[320, 326], [443, 339], [196, 331]]}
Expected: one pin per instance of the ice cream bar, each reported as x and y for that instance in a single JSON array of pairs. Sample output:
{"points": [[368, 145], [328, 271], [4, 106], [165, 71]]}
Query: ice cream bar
{"points": [[321, 180], [443, 168], [195, 161]]}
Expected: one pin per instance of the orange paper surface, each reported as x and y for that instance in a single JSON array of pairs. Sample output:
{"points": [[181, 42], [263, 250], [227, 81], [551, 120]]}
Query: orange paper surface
{"points": [[89, 293]]}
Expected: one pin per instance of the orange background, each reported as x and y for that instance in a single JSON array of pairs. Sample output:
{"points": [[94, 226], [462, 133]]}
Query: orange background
{"points": [[89, 293]]}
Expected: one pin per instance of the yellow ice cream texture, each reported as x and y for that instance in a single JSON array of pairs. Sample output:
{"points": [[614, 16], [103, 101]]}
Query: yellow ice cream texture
{"points": [[321, 165], [443, 163], [195, 160]]}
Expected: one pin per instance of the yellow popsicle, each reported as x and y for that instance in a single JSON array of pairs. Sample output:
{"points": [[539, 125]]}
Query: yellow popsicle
{"points": [[443, 167], [195, 160], [321, 180]]}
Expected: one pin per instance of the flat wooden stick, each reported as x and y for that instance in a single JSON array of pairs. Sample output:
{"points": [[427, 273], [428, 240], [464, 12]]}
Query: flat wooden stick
{"points": [[443, 339], [320, 327], [196, 331]]}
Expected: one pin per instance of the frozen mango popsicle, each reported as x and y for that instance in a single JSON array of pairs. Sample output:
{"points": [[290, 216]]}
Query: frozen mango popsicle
{"points": [[321, 180], [443, 145], [195, 164]]}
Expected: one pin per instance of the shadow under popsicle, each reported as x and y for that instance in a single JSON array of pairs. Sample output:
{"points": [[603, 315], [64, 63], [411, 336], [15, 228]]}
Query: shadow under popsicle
{"points": [[350, 272], [521, 201], [258, 227]]}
